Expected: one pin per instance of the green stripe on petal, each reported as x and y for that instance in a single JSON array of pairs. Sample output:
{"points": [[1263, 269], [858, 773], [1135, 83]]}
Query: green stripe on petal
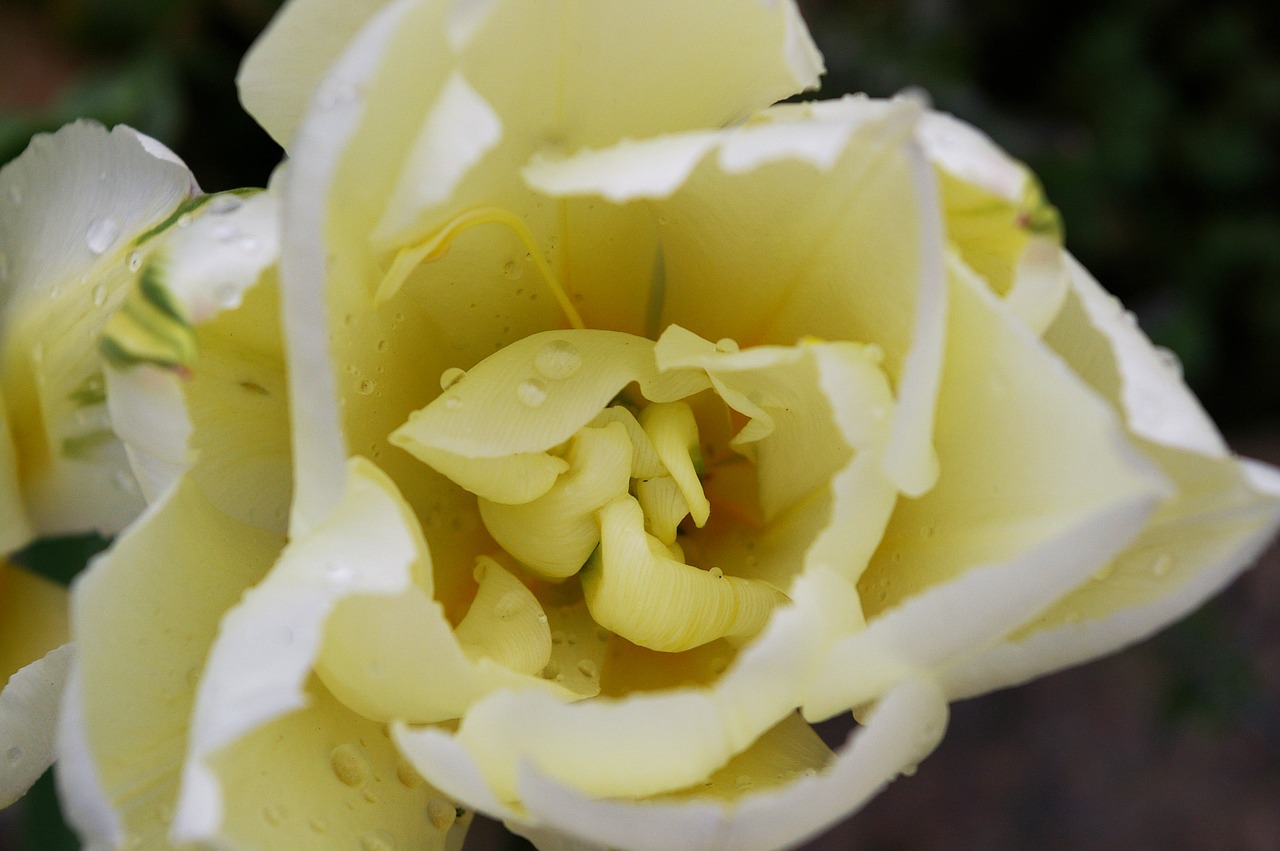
{"points": [[150, 327]]}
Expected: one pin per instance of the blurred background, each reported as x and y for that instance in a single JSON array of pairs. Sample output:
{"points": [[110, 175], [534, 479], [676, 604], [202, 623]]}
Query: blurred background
{"points": [[1155, 127]]}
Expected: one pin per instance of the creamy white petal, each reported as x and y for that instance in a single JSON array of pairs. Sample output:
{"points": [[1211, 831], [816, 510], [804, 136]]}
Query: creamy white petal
{"points": [[144, 616], [900, 731], [28, 718], [71, 208]]}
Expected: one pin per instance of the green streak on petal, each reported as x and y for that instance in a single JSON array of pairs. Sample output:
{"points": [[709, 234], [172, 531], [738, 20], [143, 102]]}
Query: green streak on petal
{"points": [[92, 391], [186, 208], [83, 446], [150, 327]]}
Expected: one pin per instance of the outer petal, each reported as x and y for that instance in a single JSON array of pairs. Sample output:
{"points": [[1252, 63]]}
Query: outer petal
{"points": [[1222, 512], [33, 617], [144, 616], [28, 716], [902, 729], [1039, 488], [70, 208]]}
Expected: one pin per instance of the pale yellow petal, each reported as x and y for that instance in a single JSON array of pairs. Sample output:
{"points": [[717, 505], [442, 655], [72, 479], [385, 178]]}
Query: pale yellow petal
{"points": [[33, 617], [144, 616], [505, 623], [902, 729], [324, 778], [28, 719]]}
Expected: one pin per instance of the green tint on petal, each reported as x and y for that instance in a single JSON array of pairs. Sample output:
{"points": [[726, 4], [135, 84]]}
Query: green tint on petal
{"points": [[555, 533], [635, 589], [143, 617], [72, 204], [150, 328]]}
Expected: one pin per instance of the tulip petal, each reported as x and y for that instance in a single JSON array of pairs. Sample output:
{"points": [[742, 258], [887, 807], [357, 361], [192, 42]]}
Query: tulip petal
{"points": [[321, 778], [1223, 514], [1102, 342], [144, 616], [28, 716], [72, 206], [900, 731], [33, 617], [1015, 522], [15, 527], [775, 261]]}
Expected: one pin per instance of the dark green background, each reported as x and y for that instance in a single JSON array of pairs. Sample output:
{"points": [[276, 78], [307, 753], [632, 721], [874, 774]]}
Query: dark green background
{"points": [[1155, 126]]}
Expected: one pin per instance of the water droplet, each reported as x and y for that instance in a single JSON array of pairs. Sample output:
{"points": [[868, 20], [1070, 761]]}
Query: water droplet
{"points": [[512, 271], [99, 295], [874, 354], [587, 668], [227, 296], [274, 815], [367, 386], [378, 840], [226, 232], [15, 195], [909, 771], [339, 574], [663, 220], [441, 813], [223, 204], [531, 393], [370, 797], [382, 345], [542, 617], [557, 637], [558, 359], [743, 782], [407, 774], [14, 755], [451, 376], [716, 573], [726, 345], [1162, 565], [184, 221], [508, 604], [719, 665], [928, 531], [551, 671], [318, 825], [101, 234]]}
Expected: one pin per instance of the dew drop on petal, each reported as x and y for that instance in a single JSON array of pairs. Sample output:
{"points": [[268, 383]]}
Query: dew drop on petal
{"points": [[1170, 360], [531, 393], [99, 295], [135, 261], [367, 387], [511, 270], [13, 755], [587, 668], [223, 204], [441, 813], [508, 604], [273, 814], [558, 359], [407, 774], [1162, 565], [716, 573], [743, 781], [101, 234], [451, 376], [318, 825], [726, 345]]}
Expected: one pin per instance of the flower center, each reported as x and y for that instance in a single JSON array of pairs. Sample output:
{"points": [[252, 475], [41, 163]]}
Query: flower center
{"points": [[577, 475]]}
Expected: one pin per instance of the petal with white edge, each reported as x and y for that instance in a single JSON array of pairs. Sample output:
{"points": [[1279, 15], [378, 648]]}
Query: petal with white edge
{"points": [[1223, 514], [320, 778], [144, 616], [70, 209], [28, 718], [1103, 343], [904, 726], [767, 215], [1040, 487]]}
